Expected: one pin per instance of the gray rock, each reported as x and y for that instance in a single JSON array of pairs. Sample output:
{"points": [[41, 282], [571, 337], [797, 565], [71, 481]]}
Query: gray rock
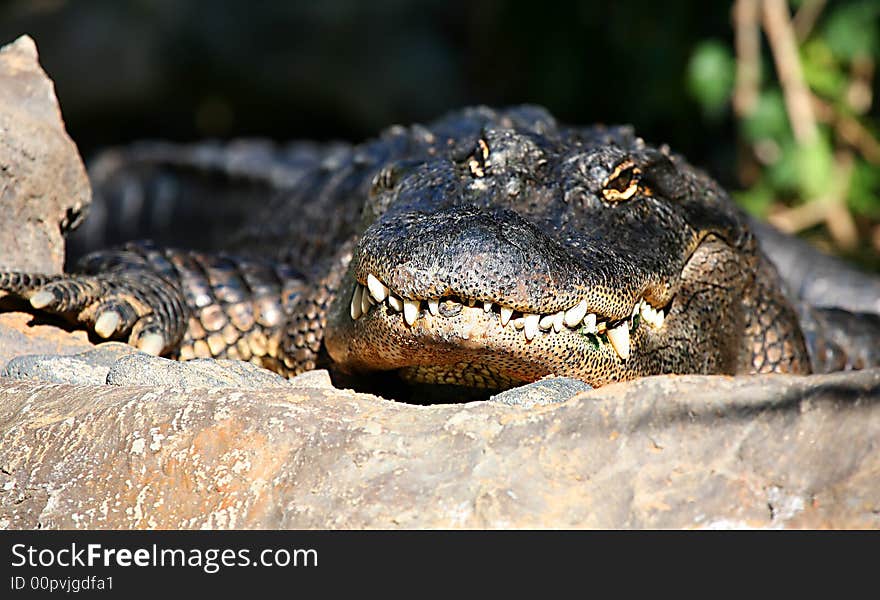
{"points": [[115, 363], [660, 452], [319, 378], [143, 369], [90, 367], [540, 393], [43, 183]]}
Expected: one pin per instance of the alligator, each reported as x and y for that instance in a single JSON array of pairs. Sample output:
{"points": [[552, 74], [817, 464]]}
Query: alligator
{"points": [[487, 249]]}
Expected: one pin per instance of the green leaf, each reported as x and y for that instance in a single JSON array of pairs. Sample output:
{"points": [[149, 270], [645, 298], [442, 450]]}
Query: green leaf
{"points": [[710, 76], [783, 175], [852, 30], [769, 119], [864, 190], [756, 200], [822, 72], [815, 165]]}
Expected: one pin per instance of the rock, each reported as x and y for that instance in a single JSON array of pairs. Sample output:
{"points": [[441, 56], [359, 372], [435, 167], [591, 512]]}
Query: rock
{"points": [[115, 363], [318, 378], [546, 391], [86, 368], [22, 333], [659, 452], [143, 369], [43, 184]]}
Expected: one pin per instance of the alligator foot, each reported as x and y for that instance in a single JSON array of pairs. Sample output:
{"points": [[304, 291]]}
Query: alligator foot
{"points": [[139, 306]]}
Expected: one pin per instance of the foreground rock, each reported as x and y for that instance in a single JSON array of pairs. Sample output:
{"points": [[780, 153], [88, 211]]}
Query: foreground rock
{"points": [[676, 452], [43, 184], [22, 333]]}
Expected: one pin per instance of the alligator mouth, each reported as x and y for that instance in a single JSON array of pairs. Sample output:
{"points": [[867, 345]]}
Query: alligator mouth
{"points": [[487, 344], [374, 294]]}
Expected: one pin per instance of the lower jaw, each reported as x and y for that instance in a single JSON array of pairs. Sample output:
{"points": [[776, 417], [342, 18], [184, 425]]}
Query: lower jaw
{"points": [[444, 359], [460, 374]]}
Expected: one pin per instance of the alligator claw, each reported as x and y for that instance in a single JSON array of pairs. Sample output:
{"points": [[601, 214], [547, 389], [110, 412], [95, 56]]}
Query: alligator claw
{"points": [[107, 324]]}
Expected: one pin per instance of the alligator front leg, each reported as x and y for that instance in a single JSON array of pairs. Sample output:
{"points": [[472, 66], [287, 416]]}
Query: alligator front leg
{"points": [[173, 303]]}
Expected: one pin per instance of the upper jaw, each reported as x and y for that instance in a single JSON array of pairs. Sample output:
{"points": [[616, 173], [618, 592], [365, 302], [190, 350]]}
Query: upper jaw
{"points": [[498, 257]]}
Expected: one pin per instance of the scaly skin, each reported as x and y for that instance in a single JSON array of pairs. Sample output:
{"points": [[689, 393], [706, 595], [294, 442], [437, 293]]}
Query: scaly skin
{"points": [[487, 249]]}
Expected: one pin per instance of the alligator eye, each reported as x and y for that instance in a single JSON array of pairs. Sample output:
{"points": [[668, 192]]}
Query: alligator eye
{"points": [[623, 183], [479, 159]]}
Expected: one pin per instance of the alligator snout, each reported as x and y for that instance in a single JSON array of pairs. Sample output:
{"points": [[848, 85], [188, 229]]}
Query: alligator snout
{"points": [[482, 255]]}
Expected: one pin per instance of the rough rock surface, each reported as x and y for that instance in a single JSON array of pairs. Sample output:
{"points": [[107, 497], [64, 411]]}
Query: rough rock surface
{"points": [[761, 451], [43, 184], [545, 391], [143, 369], [21, 333], [85, 368], [115, 363]]}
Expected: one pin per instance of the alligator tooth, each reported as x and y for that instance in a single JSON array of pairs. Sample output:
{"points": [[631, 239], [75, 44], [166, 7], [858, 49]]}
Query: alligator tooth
{"points": [[356, 310], [619, 338], [505, 315], [601, 327], [546, 322], [519, 323], [410, 311], [366, 300], [558, 320], [590, 323], [653, 316], [531, 325], [575, 315], [434, 306], [487, 307], [378, 289], [635, 309], [395, 303]]}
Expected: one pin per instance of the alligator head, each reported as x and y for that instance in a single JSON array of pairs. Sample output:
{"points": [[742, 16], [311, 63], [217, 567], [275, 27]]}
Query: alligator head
{"points": [[514, 249]]}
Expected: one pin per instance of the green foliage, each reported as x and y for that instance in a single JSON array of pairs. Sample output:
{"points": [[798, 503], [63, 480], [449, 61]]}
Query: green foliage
{"points": [[757, 199], [710, 76], [863, 190], [814, 165], [821, 69], [851, 30], [838, 59], [768, 119]]}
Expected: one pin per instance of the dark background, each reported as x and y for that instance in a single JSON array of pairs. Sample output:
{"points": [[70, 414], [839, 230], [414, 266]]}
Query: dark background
{"points": [[186, 69], [343, 69]]}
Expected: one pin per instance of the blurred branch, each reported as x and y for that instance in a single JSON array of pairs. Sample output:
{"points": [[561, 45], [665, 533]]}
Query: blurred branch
{"points": [[850, 130], [832, 209], [748, 56], [783, 45], [805, 18], [859, 94]]}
